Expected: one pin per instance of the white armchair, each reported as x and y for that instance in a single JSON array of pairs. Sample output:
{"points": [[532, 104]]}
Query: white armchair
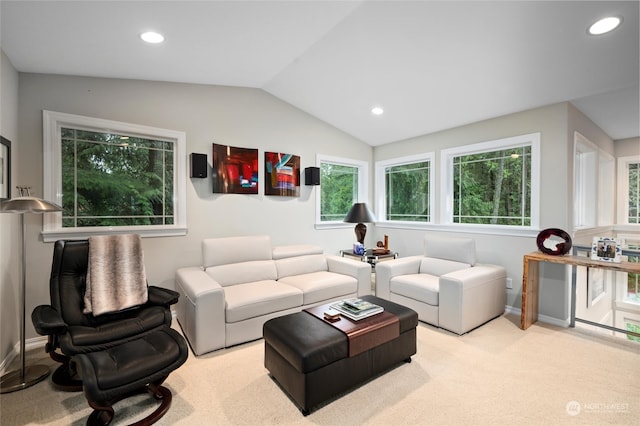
{"points": [[445, 286]]}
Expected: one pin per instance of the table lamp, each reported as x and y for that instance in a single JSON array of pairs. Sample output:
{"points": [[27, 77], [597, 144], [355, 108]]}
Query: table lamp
{"points": [[360, 213], [27, 375]]}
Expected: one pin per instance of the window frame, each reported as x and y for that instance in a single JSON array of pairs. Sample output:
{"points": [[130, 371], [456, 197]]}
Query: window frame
{"points": [[53, 122], [623, 190], [447, 191], [363, 187], [593, 185], [381, 190]]}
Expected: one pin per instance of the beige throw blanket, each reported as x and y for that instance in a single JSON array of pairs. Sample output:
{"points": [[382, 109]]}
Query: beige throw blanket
{"points": [[116, 277]]}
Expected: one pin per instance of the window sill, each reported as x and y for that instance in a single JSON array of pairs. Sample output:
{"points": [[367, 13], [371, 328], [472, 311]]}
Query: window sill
{"points": [[463, 228], [628, 306], [333, 225], [79, 233]]}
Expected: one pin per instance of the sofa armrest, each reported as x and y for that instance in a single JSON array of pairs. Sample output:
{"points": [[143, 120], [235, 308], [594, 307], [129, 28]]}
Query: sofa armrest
{"points": [[392, 268], [200, 309], [361, 271], [470, 297]]}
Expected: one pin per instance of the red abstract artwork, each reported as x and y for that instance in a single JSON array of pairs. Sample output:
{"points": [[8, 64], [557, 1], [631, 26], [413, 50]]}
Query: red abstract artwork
{"points": [[235, 170]]}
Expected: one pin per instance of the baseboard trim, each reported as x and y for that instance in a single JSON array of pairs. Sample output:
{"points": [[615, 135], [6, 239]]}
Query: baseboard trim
{"points": [[34, 343], [542, 318]]}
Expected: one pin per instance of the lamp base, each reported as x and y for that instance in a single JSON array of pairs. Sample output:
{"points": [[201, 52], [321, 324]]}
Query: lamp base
{"points": [[361, 231], [15, 380]]}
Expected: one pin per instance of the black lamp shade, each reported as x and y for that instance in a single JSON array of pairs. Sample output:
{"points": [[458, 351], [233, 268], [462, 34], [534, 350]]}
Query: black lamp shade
{"points": [[360, 213]]}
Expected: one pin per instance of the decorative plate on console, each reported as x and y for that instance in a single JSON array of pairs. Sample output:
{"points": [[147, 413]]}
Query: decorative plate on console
{"points": [[554, 241]]}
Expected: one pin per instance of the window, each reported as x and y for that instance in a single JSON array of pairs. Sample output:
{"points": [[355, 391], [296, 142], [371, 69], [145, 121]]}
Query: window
{"points": [[112, 177], [408, 187], [627, 288], [594, 183], [492, 183], [629, 190], [343, 182]]}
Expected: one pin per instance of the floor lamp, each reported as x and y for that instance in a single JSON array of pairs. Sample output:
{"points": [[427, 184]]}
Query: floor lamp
{"points": [[25, 376]]}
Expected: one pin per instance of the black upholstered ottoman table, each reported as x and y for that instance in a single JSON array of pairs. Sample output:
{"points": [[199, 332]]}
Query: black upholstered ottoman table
{"points": [[314, 360]]}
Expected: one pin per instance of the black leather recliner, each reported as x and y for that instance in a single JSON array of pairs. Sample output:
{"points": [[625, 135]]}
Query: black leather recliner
{"points": [[72, 332]]}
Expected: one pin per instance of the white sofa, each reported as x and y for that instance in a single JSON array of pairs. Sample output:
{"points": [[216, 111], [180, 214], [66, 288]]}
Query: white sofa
{"points": [[445, 286], [245, 281]]}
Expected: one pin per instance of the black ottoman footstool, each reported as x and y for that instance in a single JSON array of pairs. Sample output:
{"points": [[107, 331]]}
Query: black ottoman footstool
{"points": [[140, 365], [309, 358]]}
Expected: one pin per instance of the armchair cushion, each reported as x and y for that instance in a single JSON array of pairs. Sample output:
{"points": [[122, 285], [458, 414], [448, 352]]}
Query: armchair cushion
{"points": [[423, 287], [456, 249], [131, 324], [437, 267]]}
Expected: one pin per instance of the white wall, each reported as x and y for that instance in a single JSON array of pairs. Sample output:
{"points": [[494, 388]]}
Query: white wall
{"points": [[235, 116], [9, 223], [627, 147]]}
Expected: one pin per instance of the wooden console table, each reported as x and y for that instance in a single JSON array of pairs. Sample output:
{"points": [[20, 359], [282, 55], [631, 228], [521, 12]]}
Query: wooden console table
{"points": [[529, 311]]}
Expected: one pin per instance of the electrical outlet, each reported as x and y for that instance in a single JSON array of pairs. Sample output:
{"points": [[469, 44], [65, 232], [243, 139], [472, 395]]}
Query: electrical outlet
{"points": [[509, 283]]}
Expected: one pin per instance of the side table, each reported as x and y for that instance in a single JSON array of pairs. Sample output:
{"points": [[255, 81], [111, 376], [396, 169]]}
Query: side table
{"points": [[369, 256]]}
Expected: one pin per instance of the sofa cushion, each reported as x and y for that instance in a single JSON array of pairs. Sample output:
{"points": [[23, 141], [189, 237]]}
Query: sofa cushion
{"points": [[245, 272], [421, 287], [433, 266], [223, 251], [281, 252], [322, 285], [254, 299], [299, 265]]}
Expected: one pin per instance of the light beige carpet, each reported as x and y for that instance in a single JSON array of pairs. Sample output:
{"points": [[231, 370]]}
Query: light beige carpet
{"points": [[495, 375]]}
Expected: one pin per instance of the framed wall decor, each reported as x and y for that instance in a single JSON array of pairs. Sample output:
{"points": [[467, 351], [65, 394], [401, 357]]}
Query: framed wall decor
{"points": [[606, 249], [282, 174], [235, 170], [5, 168]]}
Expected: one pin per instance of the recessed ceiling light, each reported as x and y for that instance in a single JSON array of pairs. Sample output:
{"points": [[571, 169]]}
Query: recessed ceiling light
{"points": [[605, 25], [152, 37], [377, 111]]}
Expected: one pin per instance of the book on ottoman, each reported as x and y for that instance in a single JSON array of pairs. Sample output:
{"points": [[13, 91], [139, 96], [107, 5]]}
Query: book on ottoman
{"points": [[357, 309]]}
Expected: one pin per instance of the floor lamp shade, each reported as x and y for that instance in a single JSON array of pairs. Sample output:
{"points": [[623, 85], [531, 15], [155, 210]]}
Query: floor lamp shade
{"points": [[360, 213], [27, 375]]}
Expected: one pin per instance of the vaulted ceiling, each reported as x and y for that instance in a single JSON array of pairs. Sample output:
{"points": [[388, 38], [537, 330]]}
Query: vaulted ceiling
{"points": [[431, 65]]}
